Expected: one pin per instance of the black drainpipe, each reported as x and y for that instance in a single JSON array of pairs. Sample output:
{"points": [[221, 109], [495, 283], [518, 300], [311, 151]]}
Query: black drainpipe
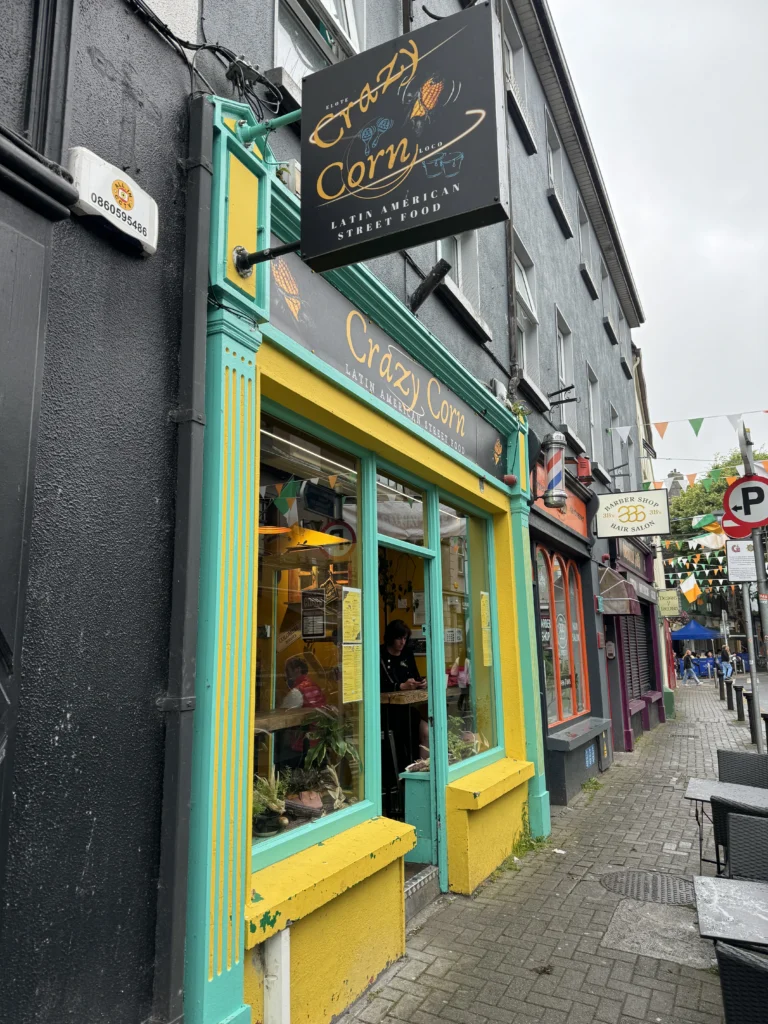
{"points": [[178, 703]]}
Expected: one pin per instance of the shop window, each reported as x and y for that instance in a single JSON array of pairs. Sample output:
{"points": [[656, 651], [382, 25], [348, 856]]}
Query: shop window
{"points": [[309, 709], [566, 682], [399, 510], [547, 638], [311, 34], [468, 634]]}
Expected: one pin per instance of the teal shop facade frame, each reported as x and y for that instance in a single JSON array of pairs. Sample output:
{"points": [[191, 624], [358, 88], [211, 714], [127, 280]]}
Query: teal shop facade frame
{"points": [[238, 320]]}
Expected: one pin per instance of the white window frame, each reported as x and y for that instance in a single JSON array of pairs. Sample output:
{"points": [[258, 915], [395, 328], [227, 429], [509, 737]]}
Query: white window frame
{"points": [[527, 318], [554, 156], [564, 360], [348, 40], [514, 54], [593, 411], [632, 468], [616, 446], [466, 276]]}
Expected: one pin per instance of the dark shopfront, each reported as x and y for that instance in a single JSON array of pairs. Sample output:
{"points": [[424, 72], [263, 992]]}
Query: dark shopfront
{"points": [[574, 703], [632, 653]]}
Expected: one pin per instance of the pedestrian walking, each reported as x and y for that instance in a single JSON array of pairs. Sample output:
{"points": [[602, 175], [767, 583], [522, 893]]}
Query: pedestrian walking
{"points": [[688, 672], [725, 661]]}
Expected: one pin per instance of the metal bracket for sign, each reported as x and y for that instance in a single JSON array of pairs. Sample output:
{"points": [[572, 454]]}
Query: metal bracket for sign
{"points": [[428, 285], [175, 703], [561, 391], [245, 261], [256, 132]]}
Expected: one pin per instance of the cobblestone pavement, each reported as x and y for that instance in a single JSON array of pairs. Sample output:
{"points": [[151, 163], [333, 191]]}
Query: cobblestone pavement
{"points": [[536, 945]]}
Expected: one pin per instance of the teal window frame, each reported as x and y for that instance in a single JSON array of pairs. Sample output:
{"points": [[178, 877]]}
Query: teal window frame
{"points": [[266, 852]]}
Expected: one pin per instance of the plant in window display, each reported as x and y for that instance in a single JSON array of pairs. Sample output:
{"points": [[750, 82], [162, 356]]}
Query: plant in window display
{"points": [[269, 805], [304, 792], [462, 743], [329, 740]]}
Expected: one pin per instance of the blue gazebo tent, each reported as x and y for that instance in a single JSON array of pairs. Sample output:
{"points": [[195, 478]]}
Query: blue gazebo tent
{"points": [[694, 631]]}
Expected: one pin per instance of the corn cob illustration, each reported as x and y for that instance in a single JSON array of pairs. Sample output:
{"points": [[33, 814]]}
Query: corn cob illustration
{"points": [[427, 98], [286, 282]]}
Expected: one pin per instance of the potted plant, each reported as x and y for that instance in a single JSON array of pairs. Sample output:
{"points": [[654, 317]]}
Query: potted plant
{"points": [[268, 805], [331, 751], [304, 788]]}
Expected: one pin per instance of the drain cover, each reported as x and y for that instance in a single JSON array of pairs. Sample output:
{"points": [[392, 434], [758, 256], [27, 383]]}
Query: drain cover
{"points": [[651, 887]]}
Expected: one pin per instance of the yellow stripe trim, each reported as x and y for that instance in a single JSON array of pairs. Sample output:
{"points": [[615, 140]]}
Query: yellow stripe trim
{"points": [[242, 220]]}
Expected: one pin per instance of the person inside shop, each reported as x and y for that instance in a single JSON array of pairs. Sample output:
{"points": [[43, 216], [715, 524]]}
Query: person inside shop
{"points": [[399, 673], [291, 745]]}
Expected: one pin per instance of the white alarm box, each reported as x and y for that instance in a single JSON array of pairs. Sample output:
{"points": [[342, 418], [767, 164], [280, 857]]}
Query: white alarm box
{"points": [[106, 191]]}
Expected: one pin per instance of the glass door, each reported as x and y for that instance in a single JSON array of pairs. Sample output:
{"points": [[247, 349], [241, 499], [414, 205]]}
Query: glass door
{"points": [[405, 566]]}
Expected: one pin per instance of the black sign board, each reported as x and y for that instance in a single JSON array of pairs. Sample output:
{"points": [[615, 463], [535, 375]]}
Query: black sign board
{"points": [[310, 310], [404, 143], [313, 614]]}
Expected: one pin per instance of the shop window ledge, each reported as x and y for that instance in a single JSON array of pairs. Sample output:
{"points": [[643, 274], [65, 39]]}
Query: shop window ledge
{"points": [[578, 734], [572, 438], [626, 368], [636, 707], [556, 203], [463, 309], [481, 788], [300, 884], [532, 392], [519, 115]]}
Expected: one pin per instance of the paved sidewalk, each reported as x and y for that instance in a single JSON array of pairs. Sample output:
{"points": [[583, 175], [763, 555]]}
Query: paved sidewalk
{"points": [[548, 943]]}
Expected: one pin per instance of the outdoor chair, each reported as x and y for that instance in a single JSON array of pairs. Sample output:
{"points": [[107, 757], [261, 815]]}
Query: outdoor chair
{"points": [[748, 847], [720, 811], [743, 768], [744, 984]]}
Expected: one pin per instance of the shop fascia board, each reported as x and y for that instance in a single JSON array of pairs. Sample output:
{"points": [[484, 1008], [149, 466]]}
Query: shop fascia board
{"points": [[365, 290], [296, 886]]}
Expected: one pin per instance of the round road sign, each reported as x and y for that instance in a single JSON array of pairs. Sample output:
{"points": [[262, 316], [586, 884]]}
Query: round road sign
{"points": [[746, 501], [734, 530]]}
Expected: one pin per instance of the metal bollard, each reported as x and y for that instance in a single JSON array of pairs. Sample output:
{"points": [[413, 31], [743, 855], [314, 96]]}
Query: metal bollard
{"points": [[739, 689], [751, 712], [729, 692], [721, 684]]}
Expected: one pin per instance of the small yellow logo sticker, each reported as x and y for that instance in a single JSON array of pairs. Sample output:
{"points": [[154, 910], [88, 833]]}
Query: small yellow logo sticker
{"points": [[123, 194]]}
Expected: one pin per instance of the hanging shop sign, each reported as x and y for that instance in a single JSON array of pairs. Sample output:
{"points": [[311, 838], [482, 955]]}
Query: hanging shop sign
{"points": [[669, 603], [741, 561], [404, 143], [634, 513], [631, 555], [308, 309]]}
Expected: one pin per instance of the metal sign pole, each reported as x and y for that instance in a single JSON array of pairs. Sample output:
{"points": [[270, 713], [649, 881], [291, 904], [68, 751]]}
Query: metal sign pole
{"points": [[749, 632], [745, 444]]}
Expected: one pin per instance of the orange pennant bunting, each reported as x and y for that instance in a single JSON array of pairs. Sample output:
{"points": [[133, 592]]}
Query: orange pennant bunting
{"points": [[691, 478], [661, 428], [731, 479], [332, 481], [278, 488], [658, 484]]}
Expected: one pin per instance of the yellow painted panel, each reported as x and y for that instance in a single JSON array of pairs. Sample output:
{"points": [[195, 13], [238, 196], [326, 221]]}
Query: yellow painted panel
{"points": [[253, 983], [299, 388], [242, 219], [338, 951], [480, 788], [478, 841], [509, 661], [299, 885]]}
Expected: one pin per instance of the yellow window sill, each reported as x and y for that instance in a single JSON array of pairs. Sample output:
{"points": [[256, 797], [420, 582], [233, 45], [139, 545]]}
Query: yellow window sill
{"points": [[295, 887], [475, 791]]}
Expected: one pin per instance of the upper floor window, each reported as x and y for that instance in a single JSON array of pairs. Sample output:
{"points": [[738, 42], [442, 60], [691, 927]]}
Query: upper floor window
{"points": [[554, 157], [461, 251], [311, 34], [593, 407], [514, 54], [564, 353], [584, 236], [527, 321]]}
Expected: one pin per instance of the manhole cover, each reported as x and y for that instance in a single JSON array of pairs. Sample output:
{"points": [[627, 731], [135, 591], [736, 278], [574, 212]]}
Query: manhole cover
{"points": [[651, 887]]}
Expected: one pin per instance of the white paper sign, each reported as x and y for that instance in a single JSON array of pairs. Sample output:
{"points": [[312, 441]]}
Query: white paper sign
{"points": [[633, 514], [741, 561]]}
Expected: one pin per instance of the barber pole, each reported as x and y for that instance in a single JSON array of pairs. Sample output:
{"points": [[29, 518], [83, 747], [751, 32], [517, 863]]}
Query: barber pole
{"points": [[553, 446]]}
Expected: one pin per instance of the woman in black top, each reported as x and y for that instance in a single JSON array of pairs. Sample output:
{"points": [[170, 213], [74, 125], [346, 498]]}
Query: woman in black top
{"points": [[399, 672], [398, 665]]}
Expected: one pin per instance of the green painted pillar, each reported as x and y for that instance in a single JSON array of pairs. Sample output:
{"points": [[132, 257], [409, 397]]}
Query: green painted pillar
{"points": [[538, 795], [221, 783]]}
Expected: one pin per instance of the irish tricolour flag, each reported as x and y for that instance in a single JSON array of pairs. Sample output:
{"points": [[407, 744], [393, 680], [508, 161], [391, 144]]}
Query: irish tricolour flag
{"points": [[691, 589]]}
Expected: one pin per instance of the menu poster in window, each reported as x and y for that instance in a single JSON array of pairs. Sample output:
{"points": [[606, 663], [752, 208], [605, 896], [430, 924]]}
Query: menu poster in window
{"points": [[546, 630], [487, 647], [351, 673], [419, 612], [313, 615], [485, 609], [352, 626]]}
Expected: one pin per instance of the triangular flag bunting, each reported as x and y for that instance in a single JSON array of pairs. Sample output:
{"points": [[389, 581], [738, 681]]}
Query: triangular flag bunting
{"points": [[696, 424], [691, 477], [707, 482], [278, 488], [658, 484], [715, 474], [731, 480], [661, 428], [646, 485], [332, 481], [623, 433], [734, 420]]}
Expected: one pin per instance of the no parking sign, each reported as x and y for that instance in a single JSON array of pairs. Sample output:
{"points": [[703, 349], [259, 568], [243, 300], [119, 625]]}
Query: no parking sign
{"points": [[746, 501]]}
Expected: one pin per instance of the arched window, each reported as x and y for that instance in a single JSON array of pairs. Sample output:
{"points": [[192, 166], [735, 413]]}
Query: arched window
{"points": [[561, 621], [546, 602], [578, 647]]}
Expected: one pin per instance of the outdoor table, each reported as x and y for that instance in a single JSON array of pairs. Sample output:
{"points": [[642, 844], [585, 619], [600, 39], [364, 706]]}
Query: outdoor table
{"points": [[732, 910], [404, 697], [702, 790]]}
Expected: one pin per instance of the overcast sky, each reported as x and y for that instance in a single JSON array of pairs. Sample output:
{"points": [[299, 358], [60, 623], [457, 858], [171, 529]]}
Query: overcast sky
{"points": [[674, 95]]}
